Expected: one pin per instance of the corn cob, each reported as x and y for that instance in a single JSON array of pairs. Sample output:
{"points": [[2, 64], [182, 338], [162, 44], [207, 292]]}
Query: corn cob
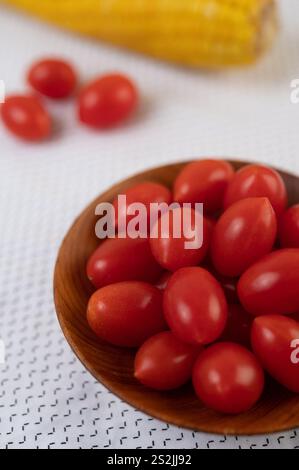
{"points": [[202, 33]]}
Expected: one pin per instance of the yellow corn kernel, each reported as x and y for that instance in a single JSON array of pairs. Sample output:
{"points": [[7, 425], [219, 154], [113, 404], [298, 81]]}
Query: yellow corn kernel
{"points": [[202, 33]]}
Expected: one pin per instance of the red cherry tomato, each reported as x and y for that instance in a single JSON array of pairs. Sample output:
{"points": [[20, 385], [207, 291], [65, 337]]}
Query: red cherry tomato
{"points": [[122, 259], [257, 181], [170, 251], [107, 101], [243, 234], [126, 313], [203, 181], [238, 326], [146, 193], [53, 78], [195, 307], [275, 341], [26, 117], [272, 284], [164, 362], [163, 281], [228, 378], [289, 228]]}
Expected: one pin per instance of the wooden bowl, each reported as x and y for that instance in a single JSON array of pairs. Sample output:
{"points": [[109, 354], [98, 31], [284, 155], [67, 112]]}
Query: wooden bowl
{"points": [[113, 367]]}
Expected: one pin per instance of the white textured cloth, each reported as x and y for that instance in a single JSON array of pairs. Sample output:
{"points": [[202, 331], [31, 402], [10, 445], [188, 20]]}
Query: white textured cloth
{"points": [[47, 399]]}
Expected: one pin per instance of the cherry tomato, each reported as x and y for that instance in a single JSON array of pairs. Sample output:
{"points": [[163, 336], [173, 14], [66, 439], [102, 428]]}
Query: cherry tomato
{"points": [[243, 234], [275, 341], [146, 193], [272, 284], [126, 313], [107, 101], [122, 259], [203, 181], [163, 281], [26, 117], [53, 78], [170, 251], [238, 327], [195, 306], [257, 181], [164, 362], [228, 378], [289, 228]]}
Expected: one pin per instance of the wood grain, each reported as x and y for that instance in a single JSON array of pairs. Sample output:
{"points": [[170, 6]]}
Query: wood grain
{"points": [[277, 411]]}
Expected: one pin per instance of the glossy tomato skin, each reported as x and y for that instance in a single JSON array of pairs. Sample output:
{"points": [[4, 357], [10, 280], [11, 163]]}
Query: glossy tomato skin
{"points": [[257, 181], [54, 78], [25, 117], [275, 341], [127, 313], [289, 228], [146, 193], [107, 101], [204, 181], [195, 307], [238, 327], [244, 233], [171, 252], [122, 259], [272, 284], [228, 378], [164, 362]]}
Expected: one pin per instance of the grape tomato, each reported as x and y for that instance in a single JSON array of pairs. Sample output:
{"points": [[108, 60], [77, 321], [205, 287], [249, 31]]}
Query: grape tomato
{"points": [[107, 101], [54, 78], [195, 307], [244, 233], [228, 378], [164, 362], [26, 117], [127, 313], [257, 181]]}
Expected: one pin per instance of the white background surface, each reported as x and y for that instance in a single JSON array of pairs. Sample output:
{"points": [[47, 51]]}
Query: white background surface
{"points": [[47, 399]]}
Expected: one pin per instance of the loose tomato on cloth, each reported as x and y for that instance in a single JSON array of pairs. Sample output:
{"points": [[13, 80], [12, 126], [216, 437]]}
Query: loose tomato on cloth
{"points": [[244, 233], [289, 228], [195, 307], [204, 181], [228, 378], [26, 117], [257, 181], [107, 101], [238, 327], [54, 78], [164, 362], [146, 193], [272, 284], [126, 313], [275, 341], [122, 259], [170, 251]]}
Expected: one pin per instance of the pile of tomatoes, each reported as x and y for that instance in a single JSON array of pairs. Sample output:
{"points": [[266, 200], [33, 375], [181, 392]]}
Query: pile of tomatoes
{"points": [[103, 103], [221, 314]]}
